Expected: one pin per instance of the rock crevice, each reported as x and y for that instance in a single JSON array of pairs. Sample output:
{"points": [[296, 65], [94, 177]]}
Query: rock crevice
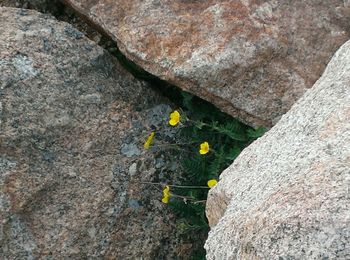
{"points": [[252, 59]]}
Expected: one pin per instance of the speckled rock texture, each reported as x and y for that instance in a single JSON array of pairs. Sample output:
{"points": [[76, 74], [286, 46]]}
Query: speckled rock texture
{"points": [[287, 195], [72, 125], [252, 59], [32, 4], [58, 10]]}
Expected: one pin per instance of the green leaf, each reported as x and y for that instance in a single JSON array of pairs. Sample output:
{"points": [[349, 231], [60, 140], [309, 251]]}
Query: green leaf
{"points": [[256, 133], [216, 166], [233, 153], [233, 129], [199, 125], [187, 100], [194, 167]]}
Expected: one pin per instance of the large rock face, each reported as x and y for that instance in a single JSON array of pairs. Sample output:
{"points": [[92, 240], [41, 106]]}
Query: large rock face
{"points": [[287, 195], [252, 59], [71, 122]]}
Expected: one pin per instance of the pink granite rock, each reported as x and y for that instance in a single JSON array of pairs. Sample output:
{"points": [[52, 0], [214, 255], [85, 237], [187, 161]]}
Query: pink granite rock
{"points": [[252, 59], [287, 195], [72, 125]]}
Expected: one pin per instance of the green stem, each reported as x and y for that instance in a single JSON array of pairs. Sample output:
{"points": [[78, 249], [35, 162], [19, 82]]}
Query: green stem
{"points": [[193, 200], [199, 201], [176, 186], [175, 145], [200, 124]]}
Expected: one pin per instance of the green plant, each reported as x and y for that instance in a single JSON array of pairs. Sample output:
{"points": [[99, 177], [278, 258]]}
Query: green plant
{"points": [[202, 122], [210, 141]]}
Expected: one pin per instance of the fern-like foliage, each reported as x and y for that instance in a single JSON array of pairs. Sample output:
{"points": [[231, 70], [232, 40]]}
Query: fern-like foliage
{"points": [[256, 133], [194, 167], [232, 153], [227, 137], [232, 129]]}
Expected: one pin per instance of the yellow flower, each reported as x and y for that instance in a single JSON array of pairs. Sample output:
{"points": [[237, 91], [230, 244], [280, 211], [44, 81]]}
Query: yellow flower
{"points": [[149, 141], [166, 191], [166, 194], [174, 118], [204, 149], [165, 200], [212, 183]]}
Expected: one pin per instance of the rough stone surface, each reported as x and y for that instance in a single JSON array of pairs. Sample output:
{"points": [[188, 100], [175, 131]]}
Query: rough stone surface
{"points": [[42, 5], [287, 195], [58, 10], [67, 109], [252, 59]]}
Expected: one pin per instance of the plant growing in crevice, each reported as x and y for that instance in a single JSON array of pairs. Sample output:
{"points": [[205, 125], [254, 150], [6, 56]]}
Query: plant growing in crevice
{"points": [[210, 141], [198, 122]]}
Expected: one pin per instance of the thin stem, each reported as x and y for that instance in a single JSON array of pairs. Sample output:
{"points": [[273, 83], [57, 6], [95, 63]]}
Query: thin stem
{"points": [[176, 186], [199, 201], [181, 197], [197, 123], [175, 145], [193, 200]]}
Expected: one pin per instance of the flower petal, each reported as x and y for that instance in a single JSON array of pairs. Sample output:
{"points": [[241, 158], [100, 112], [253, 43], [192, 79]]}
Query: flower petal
{"points": [[204, 148], [149, 141], [174, 118], [211, 183], [166, 191], [165, 200]]}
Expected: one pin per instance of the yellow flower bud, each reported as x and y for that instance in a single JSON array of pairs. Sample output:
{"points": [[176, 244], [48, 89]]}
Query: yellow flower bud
{"points": [[165, 200], [166, 191], [174, 118], [204, 148], [149, 141], [212, 183], [166, 194]]}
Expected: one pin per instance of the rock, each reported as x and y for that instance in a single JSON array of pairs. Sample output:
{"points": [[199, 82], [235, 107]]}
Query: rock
{"points": [[67, 109], [287, 195], [58, 10], [252, 59], [42, 5]]}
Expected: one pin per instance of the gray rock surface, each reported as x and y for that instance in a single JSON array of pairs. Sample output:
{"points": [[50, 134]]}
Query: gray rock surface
{"points": [[287, 195], [35, 4], [58, 10], [252, 59], [67, 109]]}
